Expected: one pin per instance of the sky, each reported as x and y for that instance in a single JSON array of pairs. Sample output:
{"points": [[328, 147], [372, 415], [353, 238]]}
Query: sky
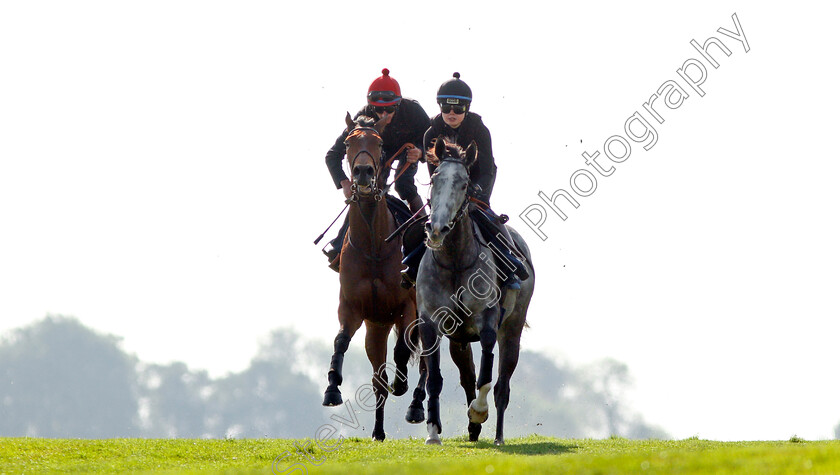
{"points": [[162, 179]]}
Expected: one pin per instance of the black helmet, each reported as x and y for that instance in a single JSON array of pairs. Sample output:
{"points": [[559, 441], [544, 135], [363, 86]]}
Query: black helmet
{"points": [[455, 92]]}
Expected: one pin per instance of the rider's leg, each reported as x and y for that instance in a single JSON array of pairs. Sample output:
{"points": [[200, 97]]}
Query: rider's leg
{"points": [[333, 249]]}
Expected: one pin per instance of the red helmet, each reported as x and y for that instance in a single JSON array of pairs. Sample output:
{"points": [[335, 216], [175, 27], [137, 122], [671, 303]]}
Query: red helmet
{"points": [[384, 91]]}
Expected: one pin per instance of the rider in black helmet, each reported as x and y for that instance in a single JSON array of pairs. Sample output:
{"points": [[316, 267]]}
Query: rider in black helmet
{"points": [[457, 122]]}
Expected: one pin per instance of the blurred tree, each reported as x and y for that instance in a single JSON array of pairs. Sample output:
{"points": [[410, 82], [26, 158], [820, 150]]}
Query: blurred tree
{"points": [[610, 380], [61, 379], [173, 400], [273, 397]]}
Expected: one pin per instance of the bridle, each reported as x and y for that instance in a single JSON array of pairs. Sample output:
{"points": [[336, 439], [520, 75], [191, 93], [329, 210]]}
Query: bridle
{"points": [[465, 205], [377, 192], [462, 211], [354, 190]]}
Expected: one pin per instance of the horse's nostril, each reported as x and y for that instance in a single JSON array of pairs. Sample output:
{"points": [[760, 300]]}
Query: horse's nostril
{"points": [[444, 229], [428, 227], [363, 172]]}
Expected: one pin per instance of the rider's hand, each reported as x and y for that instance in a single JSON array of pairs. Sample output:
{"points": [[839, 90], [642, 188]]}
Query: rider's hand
{"points": [[413, 155], [345, 187], [431, 158]]}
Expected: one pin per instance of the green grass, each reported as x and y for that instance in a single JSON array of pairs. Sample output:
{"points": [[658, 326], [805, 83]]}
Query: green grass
{"points": [[535, 454]]}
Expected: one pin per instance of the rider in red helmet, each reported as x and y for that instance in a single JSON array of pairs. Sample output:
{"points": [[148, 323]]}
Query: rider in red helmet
{"points": [[406, 123]]}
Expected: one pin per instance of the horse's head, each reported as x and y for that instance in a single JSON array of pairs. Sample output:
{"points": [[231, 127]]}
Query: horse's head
{"points": [[448, 193], [364, 152]]}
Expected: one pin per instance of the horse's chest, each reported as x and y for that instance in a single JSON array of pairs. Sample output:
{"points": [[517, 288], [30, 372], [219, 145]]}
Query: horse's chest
{"points": [[463, 299], [376, 298]]}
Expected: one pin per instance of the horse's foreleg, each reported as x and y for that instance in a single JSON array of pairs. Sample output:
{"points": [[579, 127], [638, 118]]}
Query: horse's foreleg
{"points": [[509, 336], [478, 411], [402, 350], [463, 358], [376, 345], [415, 413], [434, 384], [349, 324]]}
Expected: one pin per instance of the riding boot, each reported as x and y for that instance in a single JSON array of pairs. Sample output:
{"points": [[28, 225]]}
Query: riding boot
{"points": [[412, 262], [521, 271], [415, 204], [335, 263], [503, 242]]}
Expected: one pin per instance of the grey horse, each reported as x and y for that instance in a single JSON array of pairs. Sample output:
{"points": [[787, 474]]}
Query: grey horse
{"points": [[458, 295]]}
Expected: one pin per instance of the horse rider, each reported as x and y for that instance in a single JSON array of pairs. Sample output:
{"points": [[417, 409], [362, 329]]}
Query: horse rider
{"points": [[457, 122], [406, 123]]}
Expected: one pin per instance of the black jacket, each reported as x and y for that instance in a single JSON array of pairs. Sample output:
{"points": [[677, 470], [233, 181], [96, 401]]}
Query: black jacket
{"points": [[408, 125], [483, 172]]}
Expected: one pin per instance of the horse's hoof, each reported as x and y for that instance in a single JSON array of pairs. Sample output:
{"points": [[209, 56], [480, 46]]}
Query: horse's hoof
{"points": [[499, 442], [332, 398], [378, 436], [415, 415], [474, 430], [399, 387], [433, 430], [477, 417]]}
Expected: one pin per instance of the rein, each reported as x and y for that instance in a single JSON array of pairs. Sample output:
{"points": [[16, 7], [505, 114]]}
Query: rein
{"points": [[387, 165]]}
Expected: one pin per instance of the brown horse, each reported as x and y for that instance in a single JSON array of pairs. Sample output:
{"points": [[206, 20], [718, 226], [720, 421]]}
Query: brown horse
{"points": [[369, 274]]}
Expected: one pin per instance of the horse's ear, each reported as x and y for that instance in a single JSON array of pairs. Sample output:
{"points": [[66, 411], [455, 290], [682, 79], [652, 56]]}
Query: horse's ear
{"points": [[349, 121], [471, 154], [440, 147], [379, 126]]}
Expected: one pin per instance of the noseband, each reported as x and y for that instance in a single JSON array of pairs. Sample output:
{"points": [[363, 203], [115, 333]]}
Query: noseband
{"points": [[358, 132]]}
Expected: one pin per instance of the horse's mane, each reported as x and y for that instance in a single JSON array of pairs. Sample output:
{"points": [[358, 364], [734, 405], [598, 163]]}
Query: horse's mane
{"points": [[364, 121]]}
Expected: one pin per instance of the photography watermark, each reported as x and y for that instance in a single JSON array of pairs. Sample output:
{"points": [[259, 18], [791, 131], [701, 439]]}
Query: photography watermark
{"points": [[617, 148], [671, 94], [479, 285], [365, 398]]}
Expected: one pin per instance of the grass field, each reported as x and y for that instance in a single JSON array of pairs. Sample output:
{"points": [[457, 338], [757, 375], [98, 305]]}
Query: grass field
{"points": [[535, 454]]}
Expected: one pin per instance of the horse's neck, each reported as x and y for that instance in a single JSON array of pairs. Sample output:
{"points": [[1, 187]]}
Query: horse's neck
{"points": [[369, 224], [460, 247]]}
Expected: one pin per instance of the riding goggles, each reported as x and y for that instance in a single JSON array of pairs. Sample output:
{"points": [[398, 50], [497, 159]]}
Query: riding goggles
{"points": [[447, 108], [383, 98], [381, 109]]}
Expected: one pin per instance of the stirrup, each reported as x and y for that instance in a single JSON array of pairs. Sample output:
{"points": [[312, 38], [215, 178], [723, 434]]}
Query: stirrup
{"points": [[331, 252], [407, 281], [513, 283]]}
